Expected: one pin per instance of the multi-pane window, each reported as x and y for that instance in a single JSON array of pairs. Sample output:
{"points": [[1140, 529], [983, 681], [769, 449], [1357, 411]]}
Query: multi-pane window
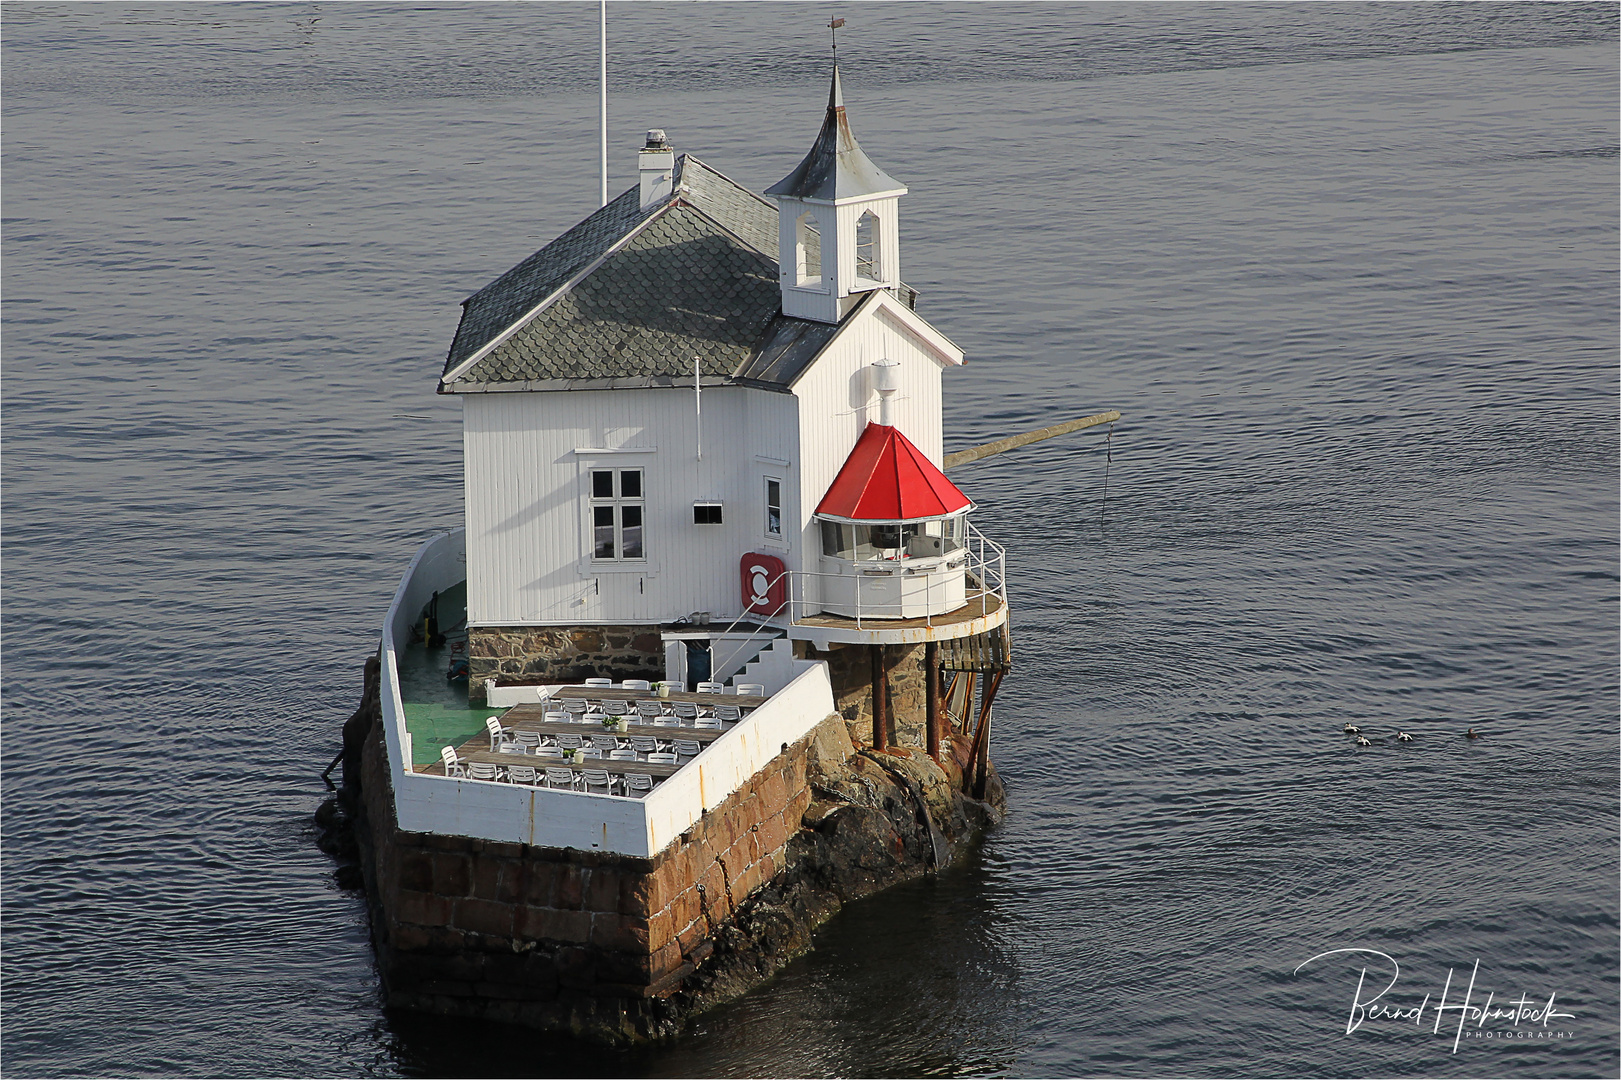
{"points": [[616, 514], [773, 507]]}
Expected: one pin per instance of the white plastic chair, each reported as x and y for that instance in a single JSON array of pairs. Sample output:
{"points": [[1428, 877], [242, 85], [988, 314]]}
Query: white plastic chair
{"points": [[686, 747], [571, 741], [637, 684], [593, 753], [622, 755], [615, 708], [576, 707], [605, 743], [643, 744], [526, 738], [523, 774], [559, 777], [498, 734], [728, 714], [453, 764], [638, 784], [750, 689], [598, 682], [657, 758], [707, 723], [553, 751], [711, 688], [561, 717], [512, 749], [685, 710], [597, 778], [647, 710], [480, 770], [666, 721]]}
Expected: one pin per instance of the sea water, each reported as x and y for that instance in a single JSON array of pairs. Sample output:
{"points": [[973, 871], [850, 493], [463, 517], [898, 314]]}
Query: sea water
{"points": [[1349, 272]]}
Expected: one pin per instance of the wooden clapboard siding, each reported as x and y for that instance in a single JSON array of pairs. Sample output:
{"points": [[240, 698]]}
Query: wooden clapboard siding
{"points": [[527, 529]]}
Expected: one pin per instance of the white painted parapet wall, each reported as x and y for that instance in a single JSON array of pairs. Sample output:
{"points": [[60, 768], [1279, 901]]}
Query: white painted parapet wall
{"points": [[546, 818]]}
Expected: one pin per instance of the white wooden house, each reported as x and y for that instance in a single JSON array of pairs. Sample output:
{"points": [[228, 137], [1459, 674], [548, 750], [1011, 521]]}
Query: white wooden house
{"points": [[715, 416]]}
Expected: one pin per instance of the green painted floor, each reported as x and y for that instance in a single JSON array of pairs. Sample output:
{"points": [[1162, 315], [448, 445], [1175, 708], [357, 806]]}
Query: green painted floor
{"points": [[436, 710]]}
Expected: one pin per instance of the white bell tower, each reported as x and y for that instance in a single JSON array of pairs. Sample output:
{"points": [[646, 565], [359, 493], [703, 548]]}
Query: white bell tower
{"points": [[837, 223]]}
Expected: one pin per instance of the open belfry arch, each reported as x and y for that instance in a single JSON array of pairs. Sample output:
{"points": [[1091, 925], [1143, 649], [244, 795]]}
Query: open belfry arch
{"points": [[703, 439]]}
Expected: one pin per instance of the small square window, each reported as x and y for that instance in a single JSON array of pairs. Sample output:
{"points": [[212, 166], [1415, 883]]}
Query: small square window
{"points": [[630, 484], [706, 513], [602, 485]]}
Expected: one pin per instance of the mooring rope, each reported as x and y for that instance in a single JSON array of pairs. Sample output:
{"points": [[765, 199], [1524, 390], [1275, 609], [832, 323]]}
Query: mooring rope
{"points": [[1108, 459]]}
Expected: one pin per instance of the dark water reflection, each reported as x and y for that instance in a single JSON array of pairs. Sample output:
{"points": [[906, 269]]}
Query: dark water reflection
{"points": [[914, 984], [1349, 271]]}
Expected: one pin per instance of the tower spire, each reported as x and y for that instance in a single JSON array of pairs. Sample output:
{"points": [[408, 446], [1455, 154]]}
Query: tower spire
{"points": [[836, 214]]}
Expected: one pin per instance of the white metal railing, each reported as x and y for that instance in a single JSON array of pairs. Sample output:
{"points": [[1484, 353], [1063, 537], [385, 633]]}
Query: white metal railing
{"points": [[424, 802], [985, 564]]}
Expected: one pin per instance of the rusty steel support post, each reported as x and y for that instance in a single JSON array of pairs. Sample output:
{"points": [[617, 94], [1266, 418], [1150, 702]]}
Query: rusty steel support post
{"points": [[880, 700], [931, 723], [982, 737]]}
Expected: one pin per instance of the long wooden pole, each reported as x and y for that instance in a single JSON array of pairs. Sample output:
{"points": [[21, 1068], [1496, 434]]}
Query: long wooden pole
{"points": [[880, 700], [1013, 442], [931, 672]]}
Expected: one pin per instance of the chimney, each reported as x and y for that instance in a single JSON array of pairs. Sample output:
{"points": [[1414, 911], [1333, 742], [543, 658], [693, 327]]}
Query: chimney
{"points": [[656, 164], [886, 379]]}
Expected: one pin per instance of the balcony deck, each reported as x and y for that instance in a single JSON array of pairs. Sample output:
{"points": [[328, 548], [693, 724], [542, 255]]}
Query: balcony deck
{"points": [[984, 611]]}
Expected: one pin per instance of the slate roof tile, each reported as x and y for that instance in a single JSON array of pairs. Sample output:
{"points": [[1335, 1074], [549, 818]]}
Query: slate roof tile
{"points": [[698, 279]]}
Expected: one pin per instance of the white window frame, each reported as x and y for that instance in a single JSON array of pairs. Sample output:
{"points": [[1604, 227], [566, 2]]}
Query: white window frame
{"points": [[874, 248], [765, 518], [617, 502]]}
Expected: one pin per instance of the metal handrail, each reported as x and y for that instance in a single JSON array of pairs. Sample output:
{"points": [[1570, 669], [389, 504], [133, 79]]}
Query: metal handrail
{"points": [[986, 566]]}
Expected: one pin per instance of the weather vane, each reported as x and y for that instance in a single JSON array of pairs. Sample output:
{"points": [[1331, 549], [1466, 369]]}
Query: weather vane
{"points": [[834, 26]]}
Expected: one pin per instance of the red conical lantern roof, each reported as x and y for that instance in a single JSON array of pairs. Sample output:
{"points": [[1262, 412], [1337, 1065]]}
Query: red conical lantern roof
{"points": [[888, 479]]}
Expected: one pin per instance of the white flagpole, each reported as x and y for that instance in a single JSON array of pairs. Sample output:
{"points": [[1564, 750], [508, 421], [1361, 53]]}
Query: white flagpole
{"points": [[602, 110]]}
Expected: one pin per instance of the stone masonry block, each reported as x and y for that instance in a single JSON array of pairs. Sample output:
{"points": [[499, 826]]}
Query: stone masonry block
{"points": [[773, 794], [576, 968], [685, 909], [452, 874], [483, 917], [555, 924], [571, 888], [691, 935], [621, 933], [416, 871], [602, 890], [540, 886], [660, 929], [486, 878], [773, 833], [422, 908], [665, 960]]}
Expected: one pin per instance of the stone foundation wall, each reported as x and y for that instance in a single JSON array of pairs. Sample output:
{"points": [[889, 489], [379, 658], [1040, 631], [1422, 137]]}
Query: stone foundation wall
{"points": [[617, 949], [849, 669], [561, 938], [517, 655]]}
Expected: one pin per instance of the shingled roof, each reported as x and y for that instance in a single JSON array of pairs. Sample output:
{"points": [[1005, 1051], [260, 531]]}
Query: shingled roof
{"points": [[629, 296]]}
